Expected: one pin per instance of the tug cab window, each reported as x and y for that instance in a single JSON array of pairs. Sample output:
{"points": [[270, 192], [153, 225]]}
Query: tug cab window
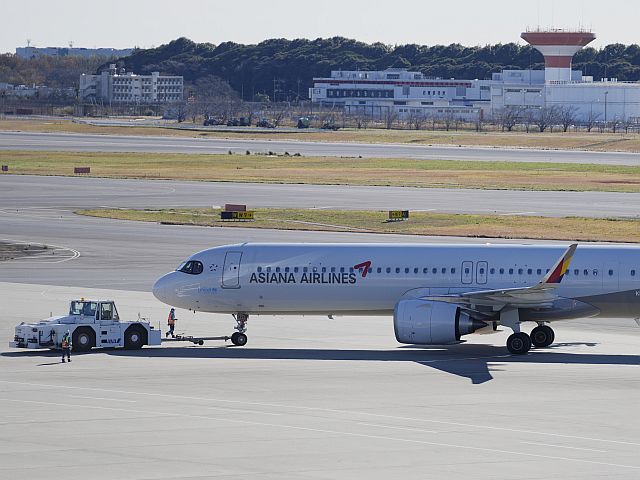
{"points": [[108, 312], [88, 309], [192, 267]]}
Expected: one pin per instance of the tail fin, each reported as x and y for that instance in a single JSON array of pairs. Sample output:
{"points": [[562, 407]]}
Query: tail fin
{"points": [[556, 274]]}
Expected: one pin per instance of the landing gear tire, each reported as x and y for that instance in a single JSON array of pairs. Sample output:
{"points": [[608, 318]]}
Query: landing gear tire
{"points": [[542, 336], [519, 343], [239, 339]]}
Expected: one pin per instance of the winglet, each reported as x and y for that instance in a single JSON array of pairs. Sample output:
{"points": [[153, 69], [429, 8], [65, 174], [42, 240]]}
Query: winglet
{"points": [[556, 274]]}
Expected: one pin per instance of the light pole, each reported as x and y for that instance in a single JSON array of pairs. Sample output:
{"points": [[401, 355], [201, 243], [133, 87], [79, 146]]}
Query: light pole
{"points": [[605, 106]]}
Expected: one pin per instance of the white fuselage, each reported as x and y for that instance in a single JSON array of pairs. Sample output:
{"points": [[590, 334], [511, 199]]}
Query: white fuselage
{"points": [[336, 278]]}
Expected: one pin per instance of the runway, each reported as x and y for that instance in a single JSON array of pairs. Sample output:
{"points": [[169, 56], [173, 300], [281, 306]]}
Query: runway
{"points": [[68, 193], [158, 144]]}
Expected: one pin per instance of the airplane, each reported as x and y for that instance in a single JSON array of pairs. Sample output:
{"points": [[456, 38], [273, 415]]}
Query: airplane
{"points": [[436, 293]]}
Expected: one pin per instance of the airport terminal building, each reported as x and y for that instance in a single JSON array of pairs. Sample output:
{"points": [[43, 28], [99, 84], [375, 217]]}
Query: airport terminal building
{"points": [[405, 93]]}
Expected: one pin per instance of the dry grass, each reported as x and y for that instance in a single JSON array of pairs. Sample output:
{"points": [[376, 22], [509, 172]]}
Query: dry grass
{"points": [[572, 140], [420, 223], [322, 170]]}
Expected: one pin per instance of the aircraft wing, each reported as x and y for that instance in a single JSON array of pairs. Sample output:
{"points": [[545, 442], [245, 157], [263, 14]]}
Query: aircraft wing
{"points": [[541, 294]]}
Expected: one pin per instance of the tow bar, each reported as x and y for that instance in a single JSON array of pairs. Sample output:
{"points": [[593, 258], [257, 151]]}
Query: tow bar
{"points": [[192, 339]]}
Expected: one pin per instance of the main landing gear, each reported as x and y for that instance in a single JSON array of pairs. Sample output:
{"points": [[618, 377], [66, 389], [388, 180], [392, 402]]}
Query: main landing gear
{"points": [[239, 338], [520, 343]]}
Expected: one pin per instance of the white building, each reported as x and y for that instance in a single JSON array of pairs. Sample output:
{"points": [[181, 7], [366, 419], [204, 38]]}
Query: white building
{"points": [[122, 87], [407, 93], [28, 53], [403, 92]]}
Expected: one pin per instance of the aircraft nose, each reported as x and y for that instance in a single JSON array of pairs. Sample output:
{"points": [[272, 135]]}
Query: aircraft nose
{"points": [[162, 288]]}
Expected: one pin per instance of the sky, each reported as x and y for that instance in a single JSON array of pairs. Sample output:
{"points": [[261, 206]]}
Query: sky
{"points": [[148, 23]]}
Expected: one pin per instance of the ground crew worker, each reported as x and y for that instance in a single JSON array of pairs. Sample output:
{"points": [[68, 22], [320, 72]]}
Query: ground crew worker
{"points": [[171, 321], [66, 346]]}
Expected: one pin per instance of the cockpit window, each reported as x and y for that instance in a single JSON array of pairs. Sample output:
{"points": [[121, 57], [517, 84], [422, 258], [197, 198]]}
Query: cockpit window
{"points": [[192, 267]]}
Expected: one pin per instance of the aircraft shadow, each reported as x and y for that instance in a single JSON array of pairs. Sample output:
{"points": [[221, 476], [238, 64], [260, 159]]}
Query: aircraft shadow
{"points": [[475, 362]]}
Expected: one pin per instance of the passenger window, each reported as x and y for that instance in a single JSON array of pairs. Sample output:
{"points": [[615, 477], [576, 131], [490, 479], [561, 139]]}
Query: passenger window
{"points": [[379, 270], [502, 271], [586, 272], [259, 269], [443, 271], [610, 273], [482, 271], [296, 269], [333, 269], [595, 272], [324, 269], [511, 271], [453, 270], [277, 269], [388, 269], [415, 270], [286, 269], [633, 273], [466, 271], [576, 272], [351, 270], [519, 271], [434, 270], [539, 271], [406, 270], [341, 269], [530, 271], [397, 270], [305, 269], [492, 271], [315, 269], [268, 269]]}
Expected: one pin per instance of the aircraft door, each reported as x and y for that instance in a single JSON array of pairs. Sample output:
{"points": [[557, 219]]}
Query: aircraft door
{"points": [[467, 272], [231, 270], [481, 272]]}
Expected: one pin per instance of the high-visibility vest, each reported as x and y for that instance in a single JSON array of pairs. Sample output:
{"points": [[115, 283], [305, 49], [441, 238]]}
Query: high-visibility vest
{"points": [[172, 319], [65, 342]]}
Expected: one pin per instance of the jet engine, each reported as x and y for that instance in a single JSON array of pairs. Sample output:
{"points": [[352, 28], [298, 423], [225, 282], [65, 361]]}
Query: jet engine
{"points": [[431, 323]]}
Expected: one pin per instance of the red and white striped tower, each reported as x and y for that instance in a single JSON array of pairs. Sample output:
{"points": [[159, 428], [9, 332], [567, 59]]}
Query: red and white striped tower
{"points": [[558, 48]]}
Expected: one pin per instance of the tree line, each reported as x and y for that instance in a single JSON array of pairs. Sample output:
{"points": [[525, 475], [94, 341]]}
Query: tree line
{"points": [[283, 69]]}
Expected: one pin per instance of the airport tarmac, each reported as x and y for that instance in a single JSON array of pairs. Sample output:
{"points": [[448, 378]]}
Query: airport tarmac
{"points": [[307, 398], [158, 144], [313, 398]]}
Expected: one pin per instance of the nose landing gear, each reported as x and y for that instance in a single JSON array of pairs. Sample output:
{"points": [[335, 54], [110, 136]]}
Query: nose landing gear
{"points": [[239, 338]]}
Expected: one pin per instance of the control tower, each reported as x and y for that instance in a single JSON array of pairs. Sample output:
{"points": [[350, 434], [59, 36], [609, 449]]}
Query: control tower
{"points": [[558, 48]]}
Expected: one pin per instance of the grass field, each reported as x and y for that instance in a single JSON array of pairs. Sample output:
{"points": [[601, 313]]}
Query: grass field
{"points": [[327, 170], [572, 140], [420, 223]]}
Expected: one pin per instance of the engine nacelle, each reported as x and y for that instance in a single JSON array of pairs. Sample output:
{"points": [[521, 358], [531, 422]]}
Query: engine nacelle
{"points": [[431, 323]]}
